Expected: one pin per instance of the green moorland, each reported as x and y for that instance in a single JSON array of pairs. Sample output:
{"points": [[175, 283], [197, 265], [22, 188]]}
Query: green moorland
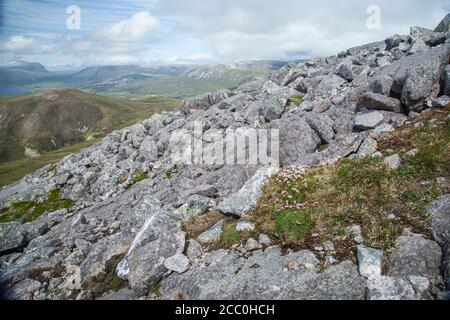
{"points": [[54, 133]]}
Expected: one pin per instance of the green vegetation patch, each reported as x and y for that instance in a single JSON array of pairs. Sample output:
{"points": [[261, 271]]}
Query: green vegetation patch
{"points": [[137, 177], [302, 208], [29, 211], [296, 99], [292, 225]]}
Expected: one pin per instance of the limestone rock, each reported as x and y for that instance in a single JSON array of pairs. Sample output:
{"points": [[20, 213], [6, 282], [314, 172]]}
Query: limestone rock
{"points": [[439, 210], [242, 202], [369, 261], [12, 236], [178, 263], [369, 120]]}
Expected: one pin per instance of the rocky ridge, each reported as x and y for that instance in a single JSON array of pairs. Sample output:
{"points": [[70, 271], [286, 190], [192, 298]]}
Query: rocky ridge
{"points": [[123, 238]]}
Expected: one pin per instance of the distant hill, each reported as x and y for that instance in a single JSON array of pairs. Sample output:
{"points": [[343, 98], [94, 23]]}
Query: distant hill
{"points": [[238, 71], [41, 122], [178, 81], [22, 73]]}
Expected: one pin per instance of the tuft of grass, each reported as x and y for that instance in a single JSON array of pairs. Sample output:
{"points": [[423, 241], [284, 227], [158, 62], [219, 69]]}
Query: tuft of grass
{"points": [[296, 99], [169, 174], [29, 211], [137, 177], [230, 236]]}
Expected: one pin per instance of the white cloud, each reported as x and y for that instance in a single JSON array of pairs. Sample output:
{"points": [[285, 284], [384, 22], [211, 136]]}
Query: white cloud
{"points": [[24, 45], [112, 59], [135, 29], [243, 29]]}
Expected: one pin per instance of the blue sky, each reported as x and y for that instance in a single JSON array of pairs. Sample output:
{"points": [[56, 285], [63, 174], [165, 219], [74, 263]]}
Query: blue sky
{"points": [[198, 31]]}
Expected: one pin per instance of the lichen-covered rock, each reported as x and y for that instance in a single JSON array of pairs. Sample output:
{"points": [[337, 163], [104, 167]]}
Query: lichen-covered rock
{"points": [[388, 288], [12, 236], [439, 210], [375, 101], [416, 256], [369, 261], [368, 120], [265, 275]]}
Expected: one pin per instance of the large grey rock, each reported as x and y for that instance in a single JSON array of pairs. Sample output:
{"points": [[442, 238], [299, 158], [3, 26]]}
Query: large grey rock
{"points": [[323, 125], [394, 41], [444, 25], [439, 210], [329, 86], [297, 139], [149, 149], [388, 288], [369, 120], [12, 236], [375, 101], [242, 202], [265, 275], [441, 102], [446, 264], [369, 261], [430, 37], [447, 80], [414, 78], [276, 102], [416, 256]]}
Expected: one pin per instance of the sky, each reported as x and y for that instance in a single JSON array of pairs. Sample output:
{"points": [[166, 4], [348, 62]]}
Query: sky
{"points": [[71, 34]]}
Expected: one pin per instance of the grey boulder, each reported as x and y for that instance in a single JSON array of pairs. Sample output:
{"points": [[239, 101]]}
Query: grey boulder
{"points": [[243, 201], [12, 236], [375, 101], [368, 120], [439, 210]]}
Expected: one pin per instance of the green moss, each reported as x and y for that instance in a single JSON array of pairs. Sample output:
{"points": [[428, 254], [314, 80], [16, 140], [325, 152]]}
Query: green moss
{"points": [[29, 211], [292, 225], [137, 177], [296, 99], [169, 174]]}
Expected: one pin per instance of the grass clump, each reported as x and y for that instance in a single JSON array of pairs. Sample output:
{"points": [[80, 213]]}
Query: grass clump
{"points": [[230, 236], [169, 173], [29, 211], [137, 177], [296, 99]]}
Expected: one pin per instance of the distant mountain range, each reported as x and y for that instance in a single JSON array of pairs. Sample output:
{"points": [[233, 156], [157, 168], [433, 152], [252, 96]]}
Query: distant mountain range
{"points": [[172, 81]]}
